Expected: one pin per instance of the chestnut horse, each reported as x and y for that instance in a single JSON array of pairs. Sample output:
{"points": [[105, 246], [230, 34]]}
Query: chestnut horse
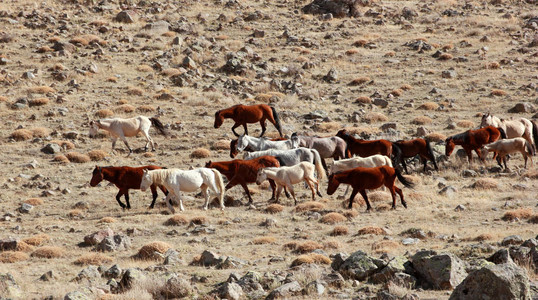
{"points": [[244, 114], [241, 172], [125, 178], [233, 146], [413, 147], [473, 140], [361, 179], [364, 148]]}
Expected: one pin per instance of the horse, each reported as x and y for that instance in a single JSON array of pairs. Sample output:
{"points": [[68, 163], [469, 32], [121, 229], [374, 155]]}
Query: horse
{"points": [[328, 147], [233, 146], [241, 172], [244, 114], [364, 148], [286, 177], [176, 180], [361, 179], [514, 128], [122, 128], [260, 144], [473, 140], [414, 147], [504, 147], [292, 157], [125, 178]]}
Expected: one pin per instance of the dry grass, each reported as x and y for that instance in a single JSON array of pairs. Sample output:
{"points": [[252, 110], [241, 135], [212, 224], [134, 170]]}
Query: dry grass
{"points": [[264, 240], [221, 145], [144, 68], [147, 251], [37, 240], [312, 258], [21, 135], [445, 56], [171, 72], [4, 99], [125, 108], [176, 220], [310, 206], [422, 120], [428, 106], [199, 220], [274, 208], [396, 92], [329, 126], [107, 220], [465, 124], [200, 153], [435, 137], [498, 92], [48, 252], [9, 257], [40, 132], [308, 246], [41, 90], [372, 230], [34, 201], [104, 113], [363, 100], [533, 219], [24, 247], [38, 102], [350, 214], [352, 51], [64, 144], [75, 214], [485, 184], [332, 244], [112, 79], [333, 218], [97, 155], [146, 108], [95, 259], [340, 230], [60, 159], [135, 91], [483, 237], [374, 117], [518, 214], [360, 80], [78, 158], [493, 65], [385, 246]]}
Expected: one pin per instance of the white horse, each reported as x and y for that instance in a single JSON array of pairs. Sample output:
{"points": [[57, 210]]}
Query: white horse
{"points": [[373, 161], [122, 128], [176, 180], [260, 144], [514, 128], [286, 177], [506, 146], [292, 157], [328, 147]]}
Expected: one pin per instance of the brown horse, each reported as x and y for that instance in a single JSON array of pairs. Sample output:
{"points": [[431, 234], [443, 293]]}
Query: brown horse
{"points": [[244, 114], [233, 146], [125, 178], [364, 148], [414, 147], [361, 179], [241, 172], [473, 140]]}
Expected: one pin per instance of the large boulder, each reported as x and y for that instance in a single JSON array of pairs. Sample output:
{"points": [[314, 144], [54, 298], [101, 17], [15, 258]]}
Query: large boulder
{"points": [[441, 271], [131, 277], [504, 281], [96, 237], [230, 290], [358, 266], [117, 242], [338, 8], [395, 265], [285, 291]]}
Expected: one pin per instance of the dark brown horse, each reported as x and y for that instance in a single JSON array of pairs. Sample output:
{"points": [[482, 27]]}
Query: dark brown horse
{"points": [[244, 114], [233, 146], [125, 178], [473, 140], [365, 148], [414, 147], [362, 179], [242, 172]]}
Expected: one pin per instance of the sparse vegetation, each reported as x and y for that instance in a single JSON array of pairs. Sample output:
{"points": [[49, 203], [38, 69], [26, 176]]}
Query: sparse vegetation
{"points": [[200, 153], [147, 252]]}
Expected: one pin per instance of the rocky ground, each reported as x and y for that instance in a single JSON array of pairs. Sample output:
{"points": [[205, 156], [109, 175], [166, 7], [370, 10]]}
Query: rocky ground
{"points": [[381, 69]]}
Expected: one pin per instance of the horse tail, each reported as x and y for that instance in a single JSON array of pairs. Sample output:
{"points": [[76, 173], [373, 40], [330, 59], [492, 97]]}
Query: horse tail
{"points": [[503, 133], [318, 164], [535, 134], [220, 185], [396, 155], [159, 125], [430, 153], [530, 149], [402, 179], [277, 121]]}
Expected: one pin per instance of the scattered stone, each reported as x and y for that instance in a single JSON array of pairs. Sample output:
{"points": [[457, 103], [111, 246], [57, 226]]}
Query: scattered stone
{"points": [[126, 16], [51, 148], [443, 271], [314, 288], [117, 242], [422, 131], [512, 240], [76, 295], [448, 191], [8, 244], [210, 258], [176, 287], [460, 207], [9, 287], [337, 8], [410, 241], [269, 222], [131, 277], [171, 257], [89, 273], [285, 291], [25, 208], [113, 272], [449, 74], [358, 266], [381, 102], [230, 290], [48, 276], [469, 173], [523, 107], [338, 259], [332, 75], [96, 237]]}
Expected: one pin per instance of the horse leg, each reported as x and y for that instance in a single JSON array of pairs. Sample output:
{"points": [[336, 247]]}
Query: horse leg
{"points": [[245, 187], [245, 127], [353, 194], [234, 127], [154, 195], [315, 181], [262, 123], [311, 185], [402, 159], [114, 139], [206, 195], [273, 187], [278, 191], [363, 194], [324, 164], [122, 137], [126, 194], [149, 140], [118, 196], [168, 201], [399, 191], [292, 192], [393, 194]]}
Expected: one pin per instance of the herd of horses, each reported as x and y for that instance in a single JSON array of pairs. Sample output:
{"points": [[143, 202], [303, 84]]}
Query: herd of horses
{"points": [[360, 164]]}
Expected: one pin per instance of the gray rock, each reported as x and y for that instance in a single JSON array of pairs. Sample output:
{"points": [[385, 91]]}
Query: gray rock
{"points": [[76, 295], [285, 291], [51, 148], [171, 257], [337, 8], [338, 259], [387, 126], [113, 272], [131, 277], [381, 102], [395, 265], [48, 276], [469, 173], [523, 107], [189, 63], [449, 74], [269, 222], [81, 205], [231, 263], [96, 237], [410, 241], [334, 279], [230, 290], [9, 287], [89, 273], [126, 16], [448, 191], [314, 288], [358, 266], [250, 282], [512, 240], [460, 207], [117, 242], [443, 271], [531, 243], [25, 208], [503, 281], [404, 280], [332, 75], [8, 244], [210, 258], [258, 33], [158, 26], [422, 131], [72, 135]]}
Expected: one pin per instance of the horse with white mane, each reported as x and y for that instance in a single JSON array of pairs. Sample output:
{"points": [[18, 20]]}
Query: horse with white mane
{"points": [[286, 177], [176, 180], [376, 160], [328, 147], [260, 144], [507, 146], [514, 128], [122, 128]]}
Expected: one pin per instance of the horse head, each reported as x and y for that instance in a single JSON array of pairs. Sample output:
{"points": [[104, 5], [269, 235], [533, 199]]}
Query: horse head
{"points": [[219, 119], [208, 164], [342, 133], [94, 128], [242, 143], [449, 146], [486, 120], [97, 176], [146, 180], [333, 184], [260, 177]]}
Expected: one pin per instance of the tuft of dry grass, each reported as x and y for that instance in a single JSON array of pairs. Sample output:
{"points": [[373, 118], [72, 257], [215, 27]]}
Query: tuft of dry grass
{"points": [[372, 230], [76, 157], [465, 124], [113, 79], [107, 220], [485, 184], [385, 246], [146, 108], [40, 132], [48, 252], [340, 230], [21, 135], [310, 206], [264, 240], [352, 51], [34, 201], [397, 92], [533, 219], [445, 56], [144, 68], [24, 247], [333, 218], [518, 214], [60, 159], [37, 240], [422, 120], [97, 155], [4, 99], [363, 100], [360, 80], [104, 113], [41, 90], [38, 102], [64, 144], [328, 126], [498, 92], [200, 153], [308, 246], [176, 220], [199, 220], [125, 108], [147, 251], [9, 257], [312, 258], [406, 87], [135, 91], [435, 137], [274, 208], [374, 117], [221, 145], [95, 259], [350, 214], [171, 72], [333, 244], [483, 237], [75, 214], [428, 106], [493, 65]]}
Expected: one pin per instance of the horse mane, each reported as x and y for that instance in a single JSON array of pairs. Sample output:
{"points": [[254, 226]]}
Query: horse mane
{"points": [[160, 175], [460, 136]]}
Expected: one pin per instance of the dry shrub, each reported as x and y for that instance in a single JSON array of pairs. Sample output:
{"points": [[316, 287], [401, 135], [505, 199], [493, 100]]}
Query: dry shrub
{"points": [[125, 108], [312, 258], [290, 246], [169, 34], [148, 154], [520, 213], [378, 196], [333, 244], [264, 240], [422, 120], [352, 51], [397, 92], [34, 201], [498, 92], [310, 206], [264, 98], [40, 132], [199, 220], [435, 137], [38, 102], [104, 113], [112, 79], [383, 207], [360, 43], [372, 230], [41, 89], [445, 56], [24, 247], [76, 157], [9, 257], [308, 246], [389, 54], [333, 218], [465, 124], [350, 213], [37, 240], [123, 101], [485, 184], [95, 259], [446, 47], [3, 99], [134, 91], [483, 237], [60, 159], [176, 220], [221, 145], [48, 252], [64, 144], [493, 65], [97, 155], [533, 219], [200, 153], [385, 246], [340, 230], [147, 251], [146, 108], [21, 135], [360, 80], [44, 49], [274, 208], [171, 72], [107, 220], [328, 126], [374, 117], [75, 214], [144, 68], [363, 100], [532, 174], [406, 87], [58, 67], [429, 106]]}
